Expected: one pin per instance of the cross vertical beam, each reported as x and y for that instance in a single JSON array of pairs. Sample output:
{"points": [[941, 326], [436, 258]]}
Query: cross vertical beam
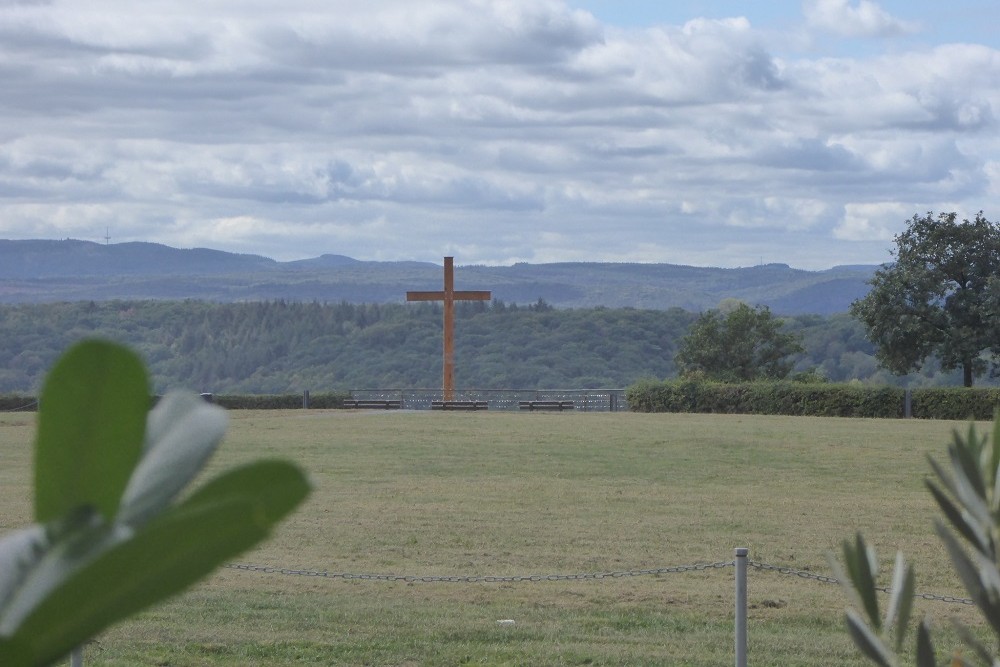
{"points": [[449, 296]]}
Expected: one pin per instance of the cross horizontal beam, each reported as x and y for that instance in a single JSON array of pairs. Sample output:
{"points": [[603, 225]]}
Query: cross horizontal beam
{"points": [[458, 295]]}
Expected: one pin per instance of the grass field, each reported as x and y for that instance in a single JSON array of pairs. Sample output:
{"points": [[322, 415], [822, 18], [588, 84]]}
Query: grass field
{"points": [[427, 493]]}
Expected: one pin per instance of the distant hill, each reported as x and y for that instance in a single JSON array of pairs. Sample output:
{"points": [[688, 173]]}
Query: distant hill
{"points": [[37, 271], [40, 259]]}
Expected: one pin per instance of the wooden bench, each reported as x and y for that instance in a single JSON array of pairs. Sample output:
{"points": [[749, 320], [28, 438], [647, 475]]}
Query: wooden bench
{"points": [[460, 405], [546, 405], [365, 404]]}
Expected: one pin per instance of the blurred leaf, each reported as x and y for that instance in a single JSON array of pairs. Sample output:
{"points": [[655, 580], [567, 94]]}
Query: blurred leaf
{"points": [[901, 601], [965, 461], [859, 560], [844, 579], [969, 485], [169, 554], [867, 642], [19, 551], [107, 543], [925, 647], [942, 476], [183, 432], [972, 641], [969, 573], [991, 455], [91, 422], [274, 487], [960, 520], [78, 541], [13, 653], [994, 465]]}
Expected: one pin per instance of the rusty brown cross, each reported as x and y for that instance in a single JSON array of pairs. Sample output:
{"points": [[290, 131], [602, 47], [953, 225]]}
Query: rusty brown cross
{"points": [[449, 296]]}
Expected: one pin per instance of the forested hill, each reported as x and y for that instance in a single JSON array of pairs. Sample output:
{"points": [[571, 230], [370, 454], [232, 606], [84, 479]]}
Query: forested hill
{"points": [[49, 271], [282, 347]]}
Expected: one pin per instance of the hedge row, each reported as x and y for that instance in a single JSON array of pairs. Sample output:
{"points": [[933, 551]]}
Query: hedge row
{"points": [[818, 400], [766, 398], [230, 402]]}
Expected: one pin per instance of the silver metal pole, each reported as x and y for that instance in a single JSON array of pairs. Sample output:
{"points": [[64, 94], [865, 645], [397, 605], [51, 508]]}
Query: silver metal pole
{"points": [[76, 657], [741, 606]]}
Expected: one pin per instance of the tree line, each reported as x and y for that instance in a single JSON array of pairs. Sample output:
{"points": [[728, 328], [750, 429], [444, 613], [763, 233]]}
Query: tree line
{"points": [[281, 347]]}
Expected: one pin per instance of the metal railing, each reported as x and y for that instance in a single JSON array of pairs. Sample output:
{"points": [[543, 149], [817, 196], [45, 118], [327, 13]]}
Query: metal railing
{"points": [[584, 400]]}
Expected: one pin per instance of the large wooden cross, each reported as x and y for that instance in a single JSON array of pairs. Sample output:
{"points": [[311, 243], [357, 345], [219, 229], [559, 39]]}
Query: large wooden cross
{"points": [[449, 296]]}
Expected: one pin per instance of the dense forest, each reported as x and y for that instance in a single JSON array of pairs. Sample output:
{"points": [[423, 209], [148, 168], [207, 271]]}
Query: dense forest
{"points": [[279, 347]]}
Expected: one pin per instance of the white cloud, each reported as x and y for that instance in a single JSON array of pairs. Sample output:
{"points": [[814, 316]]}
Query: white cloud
{"points": [[864, 19], [510, 129], [876, 221]]}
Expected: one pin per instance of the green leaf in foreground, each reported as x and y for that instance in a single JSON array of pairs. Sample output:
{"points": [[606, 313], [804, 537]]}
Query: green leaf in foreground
{"points": [[861, 569], [867, 641], [274, 488], [925, 647], [170, 553], [108, 540], [181, 434], [901, 601], [91, 424]]}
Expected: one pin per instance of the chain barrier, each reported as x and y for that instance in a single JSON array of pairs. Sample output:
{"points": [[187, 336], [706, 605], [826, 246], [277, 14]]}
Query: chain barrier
{"points": [[584, 576], [805, 574], [477, 579], [28, 406]]}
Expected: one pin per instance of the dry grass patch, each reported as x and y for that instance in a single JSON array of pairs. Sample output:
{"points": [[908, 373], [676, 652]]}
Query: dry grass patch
{"points": [[503, 493]]}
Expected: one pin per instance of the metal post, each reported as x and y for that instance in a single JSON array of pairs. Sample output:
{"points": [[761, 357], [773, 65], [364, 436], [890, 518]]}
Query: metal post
{"points": [[908, 404], [305, 399], [741, 606], [76, 657]]}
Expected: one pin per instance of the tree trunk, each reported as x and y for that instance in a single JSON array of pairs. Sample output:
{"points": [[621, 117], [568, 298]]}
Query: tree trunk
{"points": [[967, 372]]}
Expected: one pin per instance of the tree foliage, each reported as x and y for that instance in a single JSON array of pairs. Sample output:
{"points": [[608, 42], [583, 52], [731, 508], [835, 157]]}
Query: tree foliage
{"points": [[288, 347], [282, 347], [938, 297], [741, 345]]}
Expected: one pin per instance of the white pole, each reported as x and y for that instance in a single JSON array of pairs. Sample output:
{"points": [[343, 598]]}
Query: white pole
{"points": [[741, 606], [76, 657]]}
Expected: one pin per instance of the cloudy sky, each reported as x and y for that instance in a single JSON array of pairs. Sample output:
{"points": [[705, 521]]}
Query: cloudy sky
{"points": [[704, 132]]}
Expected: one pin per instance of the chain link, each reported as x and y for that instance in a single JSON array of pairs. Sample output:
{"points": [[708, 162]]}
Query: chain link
{"points": [[944, 598], [805, 574], [28, 406], [476, 579]]}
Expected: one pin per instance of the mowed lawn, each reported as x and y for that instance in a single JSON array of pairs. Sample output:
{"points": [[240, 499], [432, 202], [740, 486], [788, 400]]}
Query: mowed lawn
{"points": [[495, 493]]}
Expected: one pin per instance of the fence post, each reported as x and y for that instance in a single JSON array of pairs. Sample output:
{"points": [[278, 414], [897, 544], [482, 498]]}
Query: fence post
{"points": [[741, 606], [908, 404], [305, 399], [76, 657]]}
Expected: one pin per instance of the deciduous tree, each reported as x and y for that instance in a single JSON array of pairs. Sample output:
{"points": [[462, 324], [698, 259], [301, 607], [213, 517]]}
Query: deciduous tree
{"points": [[743, 344], [937, 298]]}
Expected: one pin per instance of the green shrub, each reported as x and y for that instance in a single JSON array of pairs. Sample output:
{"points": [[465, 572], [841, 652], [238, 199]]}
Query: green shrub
{"points": [[959, 403], [114, 531], [766, 398]]}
